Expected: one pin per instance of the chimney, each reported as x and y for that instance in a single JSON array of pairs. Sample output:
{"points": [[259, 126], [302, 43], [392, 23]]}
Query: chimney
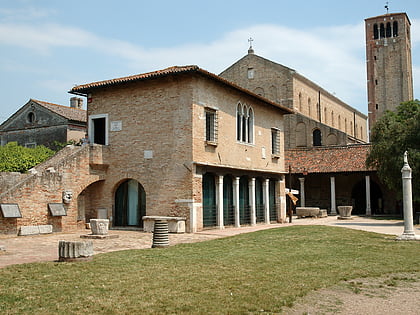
{"points": [[76, 102]]}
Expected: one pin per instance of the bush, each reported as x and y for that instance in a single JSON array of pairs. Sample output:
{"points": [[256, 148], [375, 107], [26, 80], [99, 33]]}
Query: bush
{"points": [[15, 158]]}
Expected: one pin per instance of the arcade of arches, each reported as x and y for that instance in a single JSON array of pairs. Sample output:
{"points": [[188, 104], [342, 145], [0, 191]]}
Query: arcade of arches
{"points": [[239, 200]]}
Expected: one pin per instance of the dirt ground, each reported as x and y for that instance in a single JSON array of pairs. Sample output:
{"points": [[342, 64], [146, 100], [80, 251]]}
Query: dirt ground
{"points": [[389, 295]]}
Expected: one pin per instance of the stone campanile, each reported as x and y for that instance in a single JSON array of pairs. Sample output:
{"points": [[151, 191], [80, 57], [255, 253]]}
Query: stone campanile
{"points": [[388, 60]]}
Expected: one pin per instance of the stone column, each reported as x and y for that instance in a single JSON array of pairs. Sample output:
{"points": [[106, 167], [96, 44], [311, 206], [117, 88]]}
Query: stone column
{"points": [[251, 187], [236, 201], [368, 203], [266, 196], [219, 202], [282, 193], [302, 191], [333, 205], [408, 233]]}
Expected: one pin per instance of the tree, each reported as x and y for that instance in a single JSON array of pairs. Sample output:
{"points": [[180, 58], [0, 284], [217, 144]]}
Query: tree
{"points": [[392, 135], [15, 158]]}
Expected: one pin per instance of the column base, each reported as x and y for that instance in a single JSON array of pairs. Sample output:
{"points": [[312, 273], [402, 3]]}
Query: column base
{"points": [[408, 237]]}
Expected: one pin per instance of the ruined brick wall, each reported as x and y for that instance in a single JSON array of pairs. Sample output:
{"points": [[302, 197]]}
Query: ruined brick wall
{"points": [[68, 170]]}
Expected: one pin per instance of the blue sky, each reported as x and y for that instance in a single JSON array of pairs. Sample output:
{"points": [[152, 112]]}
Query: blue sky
{"points": [[48, 46]]}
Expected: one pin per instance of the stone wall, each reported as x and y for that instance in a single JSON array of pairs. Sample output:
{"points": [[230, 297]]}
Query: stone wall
{"points": [[69, 170]]}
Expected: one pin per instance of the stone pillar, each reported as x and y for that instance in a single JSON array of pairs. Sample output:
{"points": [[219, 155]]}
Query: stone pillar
{"points": [[219, 202], [408, 233], [302, 191], [333, 205], [75, 251], [282, 193], [251, 187], [368, 203], [266, 196], [236, 201]]}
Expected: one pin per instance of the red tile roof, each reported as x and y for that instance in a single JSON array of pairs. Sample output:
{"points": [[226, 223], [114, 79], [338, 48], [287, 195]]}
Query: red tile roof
{"points": [[71, 113], [337, 159], [85, 88]]}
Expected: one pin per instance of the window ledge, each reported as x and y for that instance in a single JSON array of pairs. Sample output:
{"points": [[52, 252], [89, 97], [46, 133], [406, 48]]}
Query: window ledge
{"points": [[211, 143], [275, 156]]}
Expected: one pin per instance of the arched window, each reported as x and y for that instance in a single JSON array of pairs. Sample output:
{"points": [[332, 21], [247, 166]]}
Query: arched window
{"points": [[382, 31], [339, 122], [318, 111], [244, 123], [325, 115], [239, 115], [375, 31], [395, 29], [250, 129], [31, 117], [316, 138], [332, 118], [345, 125], [300, 102], [388, 29]]}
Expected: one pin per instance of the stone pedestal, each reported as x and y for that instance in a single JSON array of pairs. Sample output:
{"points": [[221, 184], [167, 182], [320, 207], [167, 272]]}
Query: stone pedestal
{"points": [[99, 226], [99, 229], [75, 251], [344, 212]]}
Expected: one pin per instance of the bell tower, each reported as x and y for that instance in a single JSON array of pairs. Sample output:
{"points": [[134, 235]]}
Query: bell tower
{"points": [[388, 61]]}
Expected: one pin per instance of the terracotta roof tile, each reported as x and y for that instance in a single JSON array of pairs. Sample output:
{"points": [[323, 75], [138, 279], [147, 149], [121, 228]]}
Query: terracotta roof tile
{"points": [[75, 114], [337, 159], [85, 88]]}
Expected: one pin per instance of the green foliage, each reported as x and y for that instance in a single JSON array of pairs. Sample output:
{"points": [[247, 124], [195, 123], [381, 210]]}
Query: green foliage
{"points": [[15, 158], [392, 135]]}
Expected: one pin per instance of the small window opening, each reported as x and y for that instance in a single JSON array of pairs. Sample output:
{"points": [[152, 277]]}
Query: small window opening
{"points": [[99, 130], [377, 106], [275, 141], [211, 125], [317, 138], [382, 31], [31, 117], [375, 31], [395, 29], [388, 29]]}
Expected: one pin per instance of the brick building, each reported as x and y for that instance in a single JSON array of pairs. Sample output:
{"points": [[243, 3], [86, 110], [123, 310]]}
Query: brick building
{"points": [[43, 123], [179, 142], [388, 62], [320, 118]]}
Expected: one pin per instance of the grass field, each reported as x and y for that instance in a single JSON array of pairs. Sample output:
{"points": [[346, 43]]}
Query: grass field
{"points": [[249, 273]]}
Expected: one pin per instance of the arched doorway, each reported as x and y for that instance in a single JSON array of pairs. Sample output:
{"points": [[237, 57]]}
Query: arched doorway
{"points": [[209, 200], [130, 204], [358, 196]]}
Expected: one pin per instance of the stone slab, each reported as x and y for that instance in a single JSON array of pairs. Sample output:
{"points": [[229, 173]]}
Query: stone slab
{"points": [[99, 237], [307, 212], [35, 230], [175, 224], [10, 210]]}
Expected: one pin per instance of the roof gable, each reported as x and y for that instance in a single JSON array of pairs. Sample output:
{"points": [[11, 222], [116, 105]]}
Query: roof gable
{"points": [[84, 89], [45, 114]]}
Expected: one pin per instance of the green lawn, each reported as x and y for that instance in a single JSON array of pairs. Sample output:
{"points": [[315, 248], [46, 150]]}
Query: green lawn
{"points": [[248, 273]]}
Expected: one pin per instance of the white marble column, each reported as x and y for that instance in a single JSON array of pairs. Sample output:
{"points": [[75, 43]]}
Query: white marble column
{"points": [[266, 196], [302, 191], [333, 205], [251, 187], [219, 201], [409, 233], [236, 201], [368, 203]]}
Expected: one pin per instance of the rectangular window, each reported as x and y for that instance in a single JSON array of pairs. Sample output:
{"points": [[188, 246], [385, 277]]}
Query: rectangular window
{"points": [[275, 141], [98, 129], [211, 125]]}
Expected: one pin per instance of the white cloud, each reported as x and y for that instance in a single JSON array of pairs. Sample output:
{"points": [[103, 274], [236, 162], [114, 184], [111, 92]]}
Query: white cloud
{"points": [[333, 57]]}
